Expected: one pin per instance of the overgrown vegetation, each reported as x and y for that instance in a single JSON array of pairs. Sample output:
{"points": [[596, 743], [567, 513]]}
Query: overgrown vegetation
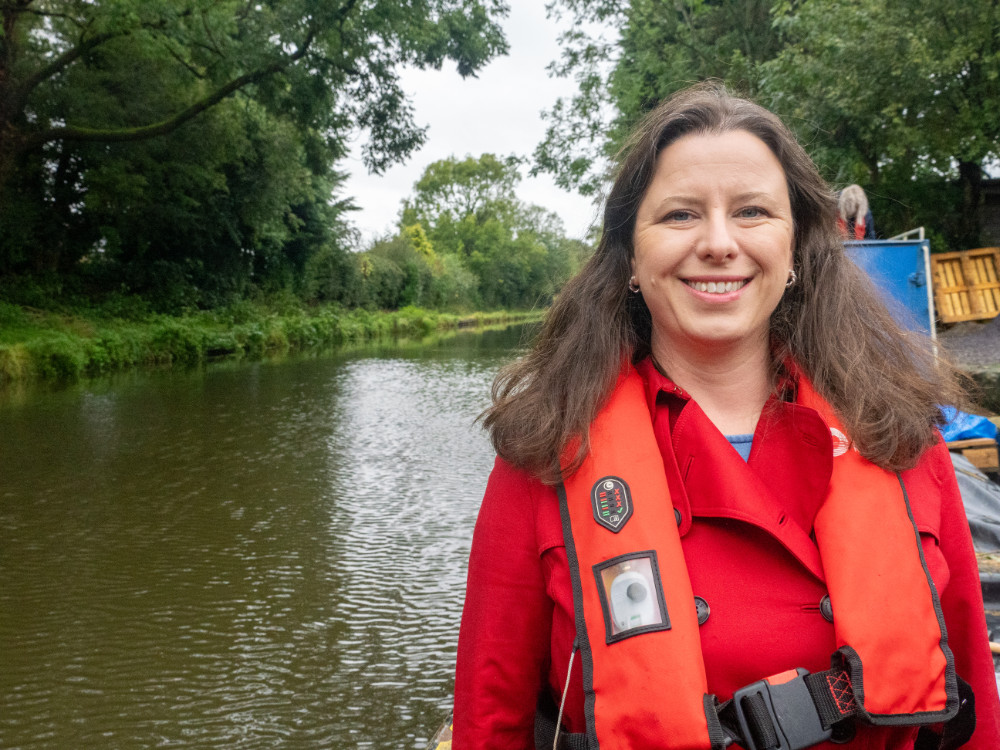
{"points": [[40, 345]]}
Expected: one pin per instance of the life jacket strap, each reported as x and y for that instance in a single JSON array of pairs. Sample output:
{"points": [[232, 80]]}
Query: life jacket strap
{"points": [[546, 728], [797, 709], [793, 710], [956, 732]]}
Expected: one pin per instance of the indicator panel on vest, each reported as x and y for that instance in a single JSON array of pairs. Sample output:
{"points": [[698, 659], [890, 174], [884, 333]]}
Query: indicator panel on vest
{"points": [[631, 595], [612, 503]]}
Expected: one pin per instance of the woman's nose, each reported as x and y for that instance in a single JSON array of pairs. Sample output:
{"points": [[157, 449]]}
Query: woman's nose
{"points": [[718, 242]]}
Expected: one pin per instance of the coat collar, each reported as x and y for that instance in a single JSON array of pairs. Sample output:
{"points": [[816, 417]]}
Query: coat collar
{"points": [[780, 488]]}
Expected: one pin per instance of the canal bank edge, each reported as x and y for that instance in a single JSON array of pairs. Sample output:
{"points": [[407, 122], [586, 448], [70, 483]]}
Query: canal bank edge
{"points": [[39, 346]]}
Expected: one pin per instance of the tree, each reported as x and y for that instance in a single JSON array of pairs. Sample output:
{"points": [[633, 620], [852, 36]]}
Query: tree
{"points": [[661, 47], [469, 210], [921, 105], [303, 54], [901, 97], [454, 188], [92, 89]]}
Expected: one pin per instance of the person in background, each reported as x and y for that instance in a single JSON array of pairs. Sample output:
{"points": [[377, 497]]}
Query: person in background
{"points": [[721, 511], [854, 217]]}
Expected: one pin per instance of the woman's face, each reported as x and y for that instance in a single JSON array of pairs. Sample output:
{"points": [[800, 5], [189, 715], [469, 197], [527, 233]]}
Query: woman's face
{"points": [[713, 243]]}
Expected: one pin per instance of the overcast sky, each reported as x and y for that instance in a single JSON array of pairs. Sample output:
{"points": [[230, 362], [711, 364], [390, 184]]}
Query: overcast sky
{"points": [[498, 112]]}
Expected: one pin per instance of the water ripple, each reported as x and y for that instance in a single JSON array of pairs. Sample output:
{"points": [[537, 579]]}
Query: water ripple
{"points": [[267, 556]]}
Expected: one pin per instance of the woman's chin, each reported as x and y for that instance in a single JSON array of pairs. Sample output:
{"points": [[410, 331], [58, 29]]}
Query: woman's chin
{"points": [[717, 338]]}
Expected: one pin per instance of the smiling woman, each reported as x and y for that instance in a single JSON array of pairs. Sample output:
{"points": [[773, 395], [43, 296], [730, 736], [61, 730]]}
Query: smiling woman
{"points": [[712, 254], [719, 452]]}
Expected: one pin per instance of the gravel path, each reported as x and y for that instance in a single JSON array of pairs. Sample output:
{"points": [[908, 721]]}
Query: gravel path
{"points": [[974, 346]]}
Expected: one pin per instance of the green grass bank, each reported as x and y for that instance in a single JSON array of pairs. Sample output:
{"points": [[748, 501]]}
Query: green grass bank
{"points": [[45, 346]]}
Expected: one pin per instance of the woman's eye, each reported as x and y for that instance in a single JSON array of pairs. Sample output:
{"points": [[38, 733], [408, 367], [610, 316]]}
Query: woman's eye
{"points": [[678, 216], [751, 212]]}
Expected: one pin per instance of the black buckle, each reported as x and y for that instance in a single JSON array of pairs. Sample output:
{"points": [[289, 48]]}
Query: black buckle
{"points": [[788, 706]]}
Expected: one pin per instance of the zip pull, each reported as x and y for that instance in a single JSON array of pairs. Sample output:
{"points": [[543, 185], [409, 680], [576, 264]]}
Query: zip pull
{"points": [[562, 703]]}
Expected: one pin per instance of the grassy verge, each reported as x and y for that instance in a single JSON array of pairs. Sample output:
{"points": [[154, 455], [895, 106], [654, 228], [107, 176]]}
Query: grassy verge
{"points": [[37, 345]]}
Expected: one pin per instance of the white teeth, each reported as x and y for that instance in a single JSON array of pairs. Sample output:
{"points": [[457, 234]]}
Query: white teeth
{"points": [[716, 287]]}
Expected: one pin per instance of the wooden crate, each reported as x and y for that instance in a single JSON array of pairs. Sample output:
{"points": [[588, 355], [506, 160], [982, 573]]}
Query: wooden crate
{"points": [[966, 284], [981, 452]]}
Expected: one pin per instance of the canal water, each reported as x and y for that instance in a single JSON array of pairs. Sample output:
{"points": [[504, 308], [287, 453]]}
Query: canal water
{"points": [[258, 555]]}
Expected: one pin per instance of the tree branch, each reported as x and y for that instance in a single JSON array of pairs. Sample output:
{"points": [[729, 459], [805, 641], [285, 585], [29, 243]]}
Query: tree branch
{"points": [[20, 95], [184, 63], [40, 13], [143, 132], [64, 60]]}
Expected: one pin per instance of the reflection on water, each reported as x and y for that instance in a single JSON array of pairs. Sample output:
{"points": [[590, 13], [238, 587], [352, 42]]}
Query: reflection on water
{"points": [[265, 555]]}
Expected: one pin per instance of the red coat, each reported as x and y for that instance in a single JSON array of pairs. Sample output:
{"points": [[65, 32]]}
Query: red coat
{"points": [[755, 566]]}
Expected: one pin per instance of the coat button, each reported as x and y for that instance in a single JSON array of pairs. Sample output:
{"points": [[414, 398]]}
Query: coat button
{"points": [[843, 732], [678, 517], [702, 608], [826, 608]]}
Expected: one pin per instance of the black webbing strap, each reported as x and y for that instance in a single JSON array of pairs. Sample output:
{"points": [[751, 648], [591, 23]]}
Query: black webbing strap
{"points": [[956, 732], [791, 715], [762, 729], [545, 728], [833, 695]]}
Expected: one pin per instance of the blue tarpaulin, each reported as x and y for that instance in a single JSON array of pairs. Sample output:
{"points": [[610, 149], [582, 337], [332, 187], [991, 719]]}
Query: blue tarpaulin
{"points": [[963, 426]]}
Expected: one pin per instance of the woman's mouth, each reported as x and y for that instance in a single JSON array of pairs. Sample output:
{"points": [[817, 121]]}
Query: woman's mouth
{"points": [[717, 287]]}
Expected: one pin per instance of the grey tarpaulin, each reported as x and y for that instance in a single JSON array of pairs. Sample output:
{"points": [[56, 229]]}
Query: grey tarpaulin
{"points": [[981, 498]]}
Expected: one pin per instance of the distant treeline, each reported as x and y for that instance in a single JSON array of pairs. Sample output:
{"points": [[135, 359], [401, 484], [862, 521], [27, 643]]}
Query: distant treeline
{"points": [[465, 243]]}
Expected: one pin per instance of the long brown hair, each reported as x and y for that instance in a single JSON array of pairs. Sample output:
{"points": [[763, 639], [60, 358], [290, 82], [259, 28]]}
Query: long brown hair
{"points": [[884, 383]]}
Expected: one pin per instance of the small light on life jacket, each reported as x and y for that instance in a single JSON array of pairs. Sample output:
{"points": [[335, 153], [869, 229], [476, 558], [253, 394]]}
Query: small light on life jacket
{"points": [[631, 595], [631, 604]]}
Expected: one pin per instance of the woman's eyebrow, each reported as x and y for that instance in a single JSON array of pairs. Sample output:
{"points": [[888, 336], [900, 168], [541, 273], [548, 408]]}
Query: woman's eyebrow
{"points": [[754, 195], [671, 200]]}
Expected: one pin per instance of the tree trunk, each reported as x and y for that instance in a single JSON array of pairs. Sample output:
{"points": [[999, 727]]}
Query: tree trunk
{"points": [[970, 180]]}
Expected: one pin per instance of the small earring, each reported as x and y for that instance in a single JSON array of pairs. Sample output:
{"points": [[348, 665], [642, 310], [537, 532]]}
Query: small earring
{"points": [[633, 285], [791, 278]]}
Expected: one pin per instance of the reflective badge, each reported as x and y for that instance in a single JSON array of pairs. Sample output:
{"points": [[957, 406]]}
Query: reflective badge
{"points": [[612, 503], [840, 442]]}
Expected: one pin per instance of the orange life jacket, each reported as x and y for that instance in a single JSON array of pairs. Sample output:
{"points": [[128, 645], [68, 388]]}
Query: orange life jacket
{"points": [[858, 228], [643, 672]]}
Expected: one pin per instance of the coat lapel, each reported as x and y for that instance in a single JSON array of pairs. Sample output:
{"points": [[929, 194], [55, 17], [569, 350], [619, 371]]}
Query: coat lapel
{"points": [[779, 490]]}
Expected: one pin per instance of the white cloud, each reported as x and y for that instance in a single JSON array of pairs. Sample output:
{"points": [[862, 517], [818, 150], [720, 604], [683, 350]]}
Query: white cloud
{"points": [[499, 112]]}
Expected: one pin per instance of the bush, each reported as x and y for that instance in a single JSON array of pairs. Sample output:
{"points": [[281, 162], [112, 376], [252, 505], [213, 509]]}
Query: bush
{"points": [[58, 357], [332, 275], [15, 364], [12, 316], [124, 307], [252, 340], [412, 321], [59, 347], [117, 350], [172, 342], [168, 286]]}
